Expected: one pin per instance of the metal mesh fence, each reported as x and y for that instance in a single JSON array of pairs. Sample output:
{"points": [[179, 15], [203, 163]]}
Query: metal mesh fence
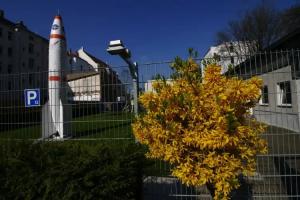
{"points": [[101, 108], [98, 104], [278, 172]]}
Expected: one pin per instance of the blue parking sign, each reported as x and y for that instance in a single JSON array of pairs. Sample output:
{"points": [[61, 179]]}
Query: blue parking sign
{"points": [[32, 97]]}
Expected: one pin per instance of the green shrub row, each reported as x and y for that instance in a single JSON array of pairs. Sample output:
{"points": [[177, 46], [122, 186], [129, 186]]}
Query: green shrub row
{"points": [[70, 170]]}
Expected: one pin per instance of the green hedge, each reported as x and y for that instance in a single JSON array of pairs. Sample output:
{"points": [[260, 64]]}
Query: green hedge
{"points": [[70, 170]]}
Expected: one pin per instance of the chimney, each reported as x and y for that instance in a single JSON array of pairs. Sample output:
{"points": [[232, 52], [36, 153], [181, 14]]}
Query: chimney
{"points": [[20, 23], [1, 13]]}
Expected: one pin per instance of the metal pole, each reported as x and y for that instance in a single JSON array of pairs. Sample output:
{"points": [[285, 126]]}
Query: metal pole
{"points": [[135, 81], [133, 68]]}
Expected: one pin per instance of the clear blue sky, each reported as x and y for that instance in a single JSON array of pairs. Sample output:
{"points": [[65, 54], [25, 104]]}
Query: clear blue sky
{"points": [[154, 30]]}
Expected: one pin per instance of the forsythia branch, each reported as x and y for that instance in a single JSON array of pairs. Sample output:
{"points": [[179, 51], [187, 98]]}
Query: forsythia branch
{"points": [[201, 125]]}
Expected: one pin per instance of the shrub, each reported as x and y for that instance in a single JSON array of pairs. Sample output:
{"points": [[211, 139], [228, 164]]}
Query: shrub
{"points": [[202, 126], [68, 170]]}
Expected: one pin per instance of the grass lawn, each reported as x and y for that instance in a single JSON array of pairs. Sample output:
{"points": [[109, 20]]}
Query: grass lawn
{"points": [[116, 126], [108, 125]]}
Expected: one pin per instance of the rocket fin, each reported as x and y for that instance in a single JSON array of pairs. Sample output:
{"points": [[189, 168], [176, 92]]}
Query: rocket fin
{"points": [[48, 127], [66, 115]]}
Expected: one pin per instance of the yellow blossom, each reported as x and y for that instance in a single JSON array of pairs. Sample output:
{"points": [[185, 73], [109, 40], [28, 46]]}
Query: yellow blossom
{"points": [[202, 126]]}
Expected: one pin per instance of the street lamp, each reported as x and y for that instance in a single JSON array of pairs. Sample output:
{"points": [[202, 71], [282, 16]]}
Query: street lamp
{"points": [[116, 47]]}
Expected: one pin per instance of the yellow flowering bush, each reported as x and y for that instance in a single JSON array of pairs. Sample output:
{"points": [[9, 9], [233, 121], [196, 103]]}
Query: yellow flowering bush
{"points": [[202, 126]]}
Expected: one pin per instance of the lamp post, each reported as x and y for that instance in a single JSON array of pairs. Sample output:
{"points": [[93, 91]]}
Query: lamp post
{"points": [[116, 47]]}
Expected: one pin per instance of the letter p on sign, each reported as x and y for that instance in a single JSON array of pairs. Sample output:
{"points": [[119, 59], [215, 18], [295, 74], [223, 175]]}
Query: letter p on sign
{"points": [[32, 97]]}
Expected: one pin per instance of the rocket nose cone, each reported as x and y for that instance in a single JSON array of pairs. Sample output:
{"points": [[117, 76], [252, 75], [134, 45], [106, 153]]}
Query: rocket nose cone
{"points": [[57, 29], [58, 17]]}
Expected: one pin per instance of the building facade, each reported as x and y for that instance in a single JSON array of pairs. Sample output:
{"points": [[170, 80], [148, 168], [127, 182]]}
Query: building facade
{"points": [[23, 59], [279, 68]]}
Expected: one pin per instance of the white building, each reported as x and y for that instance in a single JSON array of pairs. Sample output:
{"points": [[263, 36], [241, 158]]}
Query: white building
{"points": [[96, 63], [77, 64], [227, 54], [90, 79], [84, 86], [149, 85]]}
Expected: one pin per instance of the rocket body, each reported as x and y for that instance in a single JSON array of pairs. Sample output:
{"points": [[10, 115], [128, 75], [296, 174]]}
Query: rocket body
{"points": [[54, 111], [57, 60]]}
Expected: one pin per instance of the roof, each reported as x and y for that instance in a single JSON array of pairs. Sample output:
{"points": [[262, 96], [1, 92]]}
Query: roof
{"points": [[21, 26], [290, 40], [6, 21], [97, 60], [80, 75], [72, 54], [287, 42]]}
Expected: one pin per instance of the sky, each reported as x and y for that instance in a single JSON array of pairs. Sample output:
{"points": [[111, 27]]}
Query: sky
{"points": [[154, 30]]}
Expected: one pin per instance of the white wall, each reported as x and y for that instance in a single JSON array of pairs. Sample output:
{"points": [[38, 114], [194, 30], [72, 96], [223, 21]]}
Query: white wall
{"points": [[238, 55], [275, 114], [149, 85], [86, 58], [86, 89]]}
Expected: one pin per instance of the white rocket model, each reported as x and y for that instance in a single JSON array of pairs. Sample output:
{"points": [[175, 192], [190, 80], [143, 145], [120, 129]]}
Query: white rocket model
{"points": [[56, 113]]}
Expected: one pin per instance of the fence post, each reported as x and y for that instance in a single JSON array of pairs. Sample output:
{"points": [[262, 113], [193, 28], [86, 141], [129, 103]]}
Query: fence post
{"points": [[135, 81]]}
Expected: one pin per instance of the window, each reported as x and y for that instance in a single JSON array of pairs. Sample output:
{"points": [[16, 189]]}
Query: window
{"points": [[1, 32], [9, 69], [30, 48], [217, 57], [23, 81], [9, 85], [0, 67], [284, 94], [1, 50], [9, 52], [30, 80], [264, 100], [30, 63], [9, 35], [31, 38]]}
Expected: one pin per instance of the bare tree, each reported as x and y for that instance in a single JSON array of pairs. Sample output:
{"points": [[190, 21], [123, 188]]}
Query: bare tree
{"points": [[254, 31], [290, 19]]}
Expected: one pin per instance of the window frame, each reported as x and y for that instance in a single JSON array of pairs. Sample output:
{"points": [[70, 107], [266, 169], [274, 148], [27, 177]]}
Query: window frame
{"points": [[9, 35], [31, 63], [31, 48], [9, 69], [9, 52], [282, 92], [262, 99]]}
